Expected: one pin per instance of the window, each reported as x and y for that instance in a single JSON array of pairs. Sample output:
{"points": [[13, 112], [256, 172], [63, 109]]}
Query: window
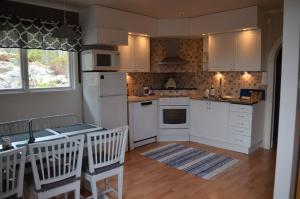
{"points": [[10, 69], [48, 68], [34, 69]]}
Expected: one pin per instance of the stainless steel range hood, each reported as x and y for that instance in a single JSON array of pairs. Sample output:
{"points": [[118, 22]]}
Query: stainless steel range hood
{"points": [[172, 57]]}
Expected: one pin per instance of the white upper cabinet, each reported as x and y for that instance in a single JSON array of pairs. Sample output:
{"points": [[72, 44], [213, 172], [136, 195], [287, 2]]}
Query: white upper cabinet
{"points": [[248, 50], [126, 55], [135, 57], [221, 52], [105, 36], [235, 51]]}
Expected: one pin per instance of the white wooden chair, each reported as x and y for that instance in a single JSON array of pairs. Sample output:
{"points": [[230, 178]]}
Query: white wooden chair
{"points": [[12, 163], [14, 127], [56, 167], [106, 153]]}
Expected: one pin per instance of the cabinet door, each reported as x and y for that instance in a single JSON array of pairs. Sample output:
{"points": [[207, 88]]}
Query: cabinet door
{"points": [[219, 118], [142, 54], [248, 50], [126, 55], [112, 37], [200, 123], [221, 52], [145, 120]]}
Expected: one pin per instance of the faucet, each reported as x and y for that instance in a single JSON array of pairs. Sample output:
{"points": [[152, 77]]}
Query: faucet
{"points": [[220, 88]]}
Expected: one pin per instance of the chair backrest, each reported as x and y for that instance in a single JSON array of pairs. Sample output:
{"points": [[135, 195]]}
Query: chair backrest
{"points": [[12, 163], [56, 160], [106, 147], [54, 121], [14, 127]]}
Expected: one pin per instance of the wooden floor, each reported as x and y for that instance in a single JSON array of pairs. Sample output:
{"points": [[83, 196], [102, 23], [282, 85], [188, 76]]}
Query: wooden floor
{"points": [[252, 177]]}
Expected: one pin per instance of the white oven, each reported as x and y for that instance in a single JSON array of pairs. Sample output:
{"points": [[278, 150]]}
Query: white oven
{"points": [[174, 113]]}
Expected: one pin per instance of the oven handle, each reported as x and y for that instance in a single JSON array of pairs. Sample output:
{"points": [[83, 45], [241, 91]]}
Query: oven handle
{"points": [[147, 103]]}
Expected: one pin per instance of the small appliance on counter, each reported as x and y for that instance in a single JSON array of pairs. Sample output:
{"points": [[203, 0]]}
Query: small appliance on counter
{"points": [[252, 94], [171, 84], [147, 91]]}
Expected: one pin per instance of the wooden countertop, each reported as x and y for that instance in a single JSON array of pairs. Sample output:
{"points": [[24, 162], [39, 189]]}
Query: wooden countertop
{"points": [[231, 100], [132, 99]]}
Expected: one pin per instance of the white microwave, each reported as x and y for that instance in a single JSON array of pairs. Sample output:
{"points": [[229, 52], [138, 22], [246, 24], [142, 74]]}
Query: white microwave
{"points": [[100, 60]]}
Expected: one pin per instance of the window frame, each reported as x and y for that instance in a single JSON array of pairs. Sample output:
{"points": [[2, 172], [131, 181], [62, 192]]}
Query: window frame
{"points": [[25, 76]]}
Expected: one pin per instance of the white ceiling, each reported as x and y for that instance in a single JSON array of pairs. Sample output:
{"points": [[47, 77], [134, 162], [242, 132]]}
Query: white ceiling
{"points": [[170, 8]]}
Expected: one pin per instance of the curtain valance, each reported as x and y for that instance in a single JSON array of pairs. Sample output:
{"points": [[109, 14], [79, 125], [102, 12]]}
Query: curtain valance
{"points": [[17, 32]]}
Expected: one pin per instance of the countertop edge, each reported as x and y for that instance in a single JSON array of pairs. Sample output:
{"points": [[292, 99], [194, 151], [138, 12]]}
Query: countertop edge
{"points": [[136, 99]]}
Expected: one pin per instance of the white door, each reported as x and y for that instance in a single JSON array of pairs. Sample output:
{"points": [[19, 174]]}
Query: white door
{"points": [[248, 50], [200, 120], [112, 84], [145, 120], [113, 111], [209, 119], [221, 52], [219, 116]]}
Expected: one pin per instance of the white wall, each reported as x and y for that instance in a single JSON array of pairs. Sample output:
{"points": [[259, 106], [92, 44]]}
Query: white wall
{"points": [[35, 104], [174, 27], [97, 16], [272, 39], [225, 21], [289, 117]]}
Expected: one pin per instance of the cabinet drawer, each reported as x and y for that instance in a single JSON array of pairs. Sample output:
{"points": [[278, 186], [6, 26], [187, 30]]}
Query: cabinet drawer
{"points": [[240, 140], [240, 119], [239, 131], [240, 108], [241, 123]]}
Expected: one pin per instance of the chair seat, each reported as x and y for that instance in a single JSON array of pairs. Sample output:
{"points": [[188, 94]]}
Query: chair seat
{"points": [[31, 190], [85, 167]]}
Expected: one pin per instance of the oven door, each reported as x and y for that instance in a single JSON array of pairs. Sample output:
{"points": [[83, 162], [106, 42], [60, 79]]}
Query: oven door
{"points": [[174, 117]]}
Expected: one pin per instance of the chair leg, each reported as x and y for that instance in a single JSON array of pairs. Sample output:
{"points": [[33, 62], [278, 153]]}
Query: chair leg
{"points": [[120, 183], [77, 193], [94, 189]]}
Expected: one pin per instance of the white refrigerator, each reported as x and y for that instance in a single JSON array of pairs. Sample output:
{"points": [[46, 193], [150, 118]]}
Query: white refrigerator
{"points": [[105, 99]]}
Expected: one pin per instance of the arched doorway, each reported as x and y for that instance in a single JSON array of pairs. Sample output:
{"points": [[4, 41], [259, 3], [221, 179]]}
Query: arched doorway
{"points": [[276, 97]]}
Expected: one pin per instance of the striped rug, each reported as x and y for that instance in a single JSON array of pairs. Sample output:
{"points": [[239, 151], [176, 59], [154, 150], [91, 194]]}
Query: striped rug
{"points": [[191, 160]]}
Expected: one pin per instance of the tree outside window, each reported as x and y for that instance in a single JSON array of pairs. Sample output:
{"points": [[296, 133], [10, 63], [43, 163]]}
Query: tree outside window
{"points": [[44, 69]]}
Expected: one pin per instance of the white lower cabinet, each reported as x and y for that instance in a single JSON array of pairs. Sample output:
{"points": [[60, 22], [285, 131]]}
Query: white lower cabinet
{"points": [[209, 119], [143, 122], [230, 126]]}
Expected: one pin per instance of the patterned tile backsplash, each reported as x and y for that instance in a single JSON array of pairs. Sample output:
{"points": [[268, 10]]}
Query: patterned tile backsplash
{"points": [[190, 75]]}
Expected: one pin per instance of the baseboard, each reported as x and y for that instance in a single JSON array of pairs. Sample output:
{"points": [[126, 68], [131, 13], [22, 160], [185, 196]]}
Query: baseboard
{"points": [[173, 138], [144, 142], [223, 145]]}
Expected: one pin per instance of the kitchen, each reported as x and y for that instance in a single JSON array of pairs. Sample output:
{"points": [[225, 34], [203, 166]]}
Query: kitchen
{"points": [[192, 88]]}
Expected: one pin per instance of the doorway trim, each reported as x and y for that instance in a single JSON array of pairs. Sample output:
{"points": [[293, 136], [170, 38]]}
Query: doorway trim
{"points": [[268, 129]]}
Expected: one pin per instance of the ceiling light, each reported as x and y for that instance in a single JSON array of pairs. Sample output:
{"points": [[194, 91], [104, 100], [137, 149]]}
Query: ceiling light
{"points": [[65, 30], [203, 34]]}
